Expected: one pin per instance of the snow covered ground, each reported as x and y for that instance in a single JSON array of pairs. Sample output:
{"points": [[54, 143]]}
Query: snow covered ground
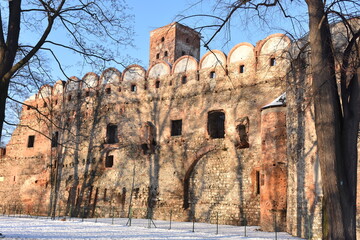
{"points": [[42, 228]]}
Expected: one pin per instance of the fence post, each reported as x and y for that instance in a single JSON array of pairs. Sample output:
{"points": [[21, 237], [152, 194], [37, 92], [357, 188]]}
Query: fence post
{"points": [[217, 223], [170, 218], [193, 226], [245, 224], [275, 227], [112, 220], [83, 214]]}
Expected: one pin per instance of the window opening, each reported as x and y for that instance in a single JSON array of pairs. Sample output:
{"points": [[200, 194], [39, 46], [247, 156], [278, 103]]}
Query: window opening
{"points": [[244, 139], [45, 104], [183, 79], [157, 84], [187, 40], [176, 127], [69, 98], [212, 74], [111, 133], [183, 53], [165, 53], [54, 139], [257, 182], [108, 90], [105, 190], [157, 55], [170, 83], [119, 89], [242, 68], [56, 101], [272, 61], [216, 122], [31, 141], [133, 88], [162, 39], [109, 162], [87, 93]]}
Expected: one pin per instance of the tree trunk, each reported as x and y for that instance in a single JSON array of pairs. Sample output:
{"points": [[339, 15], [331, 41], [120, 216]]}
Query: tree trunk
{"points": [[327, 119]]}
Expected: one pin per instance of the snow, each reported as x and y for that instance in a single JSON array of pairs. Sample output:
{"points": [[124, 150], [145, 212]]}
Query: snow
{"points": [[107, 228], [278, 102]]}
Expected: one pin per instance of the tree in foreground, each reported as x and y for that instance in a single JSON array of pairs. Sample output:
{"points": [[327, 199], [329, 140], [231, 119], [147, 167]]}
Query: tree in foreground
{"points": [[337, 111], [32, 32]]}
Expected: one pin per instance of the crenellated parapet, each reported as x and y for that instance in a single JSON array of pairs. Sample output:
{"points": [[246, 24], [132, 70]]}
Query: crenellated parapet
{"points": [[244, 65]]}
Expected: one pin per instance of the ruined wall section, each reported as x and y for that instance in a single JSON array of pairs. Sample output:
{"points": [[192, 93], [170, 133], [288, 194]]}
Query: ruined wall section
{"points": [[192, 173]]}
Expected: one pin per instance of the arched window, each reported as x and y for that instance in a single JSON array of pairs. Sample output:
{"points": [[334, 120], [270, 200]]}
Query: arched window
{"points": [[216, 124], [272, 62]]}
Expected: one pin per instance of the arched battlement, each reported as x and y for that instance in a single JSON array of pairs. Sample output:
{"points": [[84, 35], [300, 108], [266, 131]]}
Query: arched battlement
{"points": [[185, 64], [72, 84], [212, 59], [111, 76], [242, 52], [90, 80], [58, 88], [45, 91], [134, 73], [159, 69]]}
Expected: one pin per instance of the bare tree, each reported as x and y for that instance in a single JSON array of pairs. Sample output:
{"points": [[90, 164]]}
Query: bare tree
{"points": [[87, 28], [336, 111]]}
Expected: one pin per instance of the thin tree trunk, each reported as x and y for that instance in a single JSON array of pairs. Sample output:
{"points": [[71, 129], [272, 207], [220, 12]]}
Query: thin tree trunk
{"points": [[327, 119]]}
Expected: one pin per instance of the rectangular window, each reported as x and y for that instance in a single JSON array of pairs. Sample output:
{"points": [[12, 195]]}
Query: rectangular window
{"points": [[31, 141], [242, 68], [108, 90], [111, 134], [133, 88], [272, 61], [176, 127], [55, 139], [109, 161]]}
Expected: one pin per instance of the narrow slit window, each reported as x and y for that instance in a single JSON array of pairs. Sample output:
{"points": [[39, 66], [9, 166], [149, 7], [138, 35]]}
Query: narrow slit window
{"points": [[216, 124], [109, 161], [55, 139], [133, 88], [257, 182], [176, 127], [157, 84], [212, 74], [165, 53], [157, 55], [31, 141]]}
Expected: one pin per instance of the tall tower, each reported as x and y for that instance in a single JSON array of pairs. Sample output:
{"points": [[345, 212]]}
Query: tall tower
{"points": [[172, 41]]}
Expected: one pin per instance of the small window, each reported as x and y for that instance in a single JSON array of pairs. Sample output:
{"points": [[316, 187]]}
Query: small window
{"points": [[216, 124], [183, 79], [111, 134], [55, 139], [242, 130], [105, 190], [187, 40], [183, 53], [170, 83], [145, 86], [56, 101], [87, 93], [158, 56], [242, 68], [69, 98], [162, 39], [272, 61], [45, 104], [212, 74], [133, 88], [165, 53], [109, 161], [157, 84], [108, 90], [119, 89], [31, 141], [176, 127]]}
